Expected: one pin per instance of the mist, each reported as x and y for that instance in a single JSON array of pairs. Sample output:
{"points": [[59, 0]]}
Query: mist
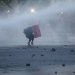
{"points": [[54, 22]]}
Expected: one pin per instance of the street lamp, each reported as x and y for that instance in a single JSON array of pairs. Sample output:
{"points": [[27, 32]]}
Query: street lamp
{"points": [[32, 10], [62, 12], [8, 11]]}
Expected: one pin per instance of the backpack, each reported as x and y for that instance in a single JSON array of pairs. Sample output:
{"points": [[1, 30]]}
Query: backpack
{"points": [[28, 31]]}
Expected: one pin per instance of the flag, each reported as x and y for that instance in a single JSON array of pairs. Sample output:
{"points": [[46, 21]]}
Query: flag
{"points": [[36, 31]]}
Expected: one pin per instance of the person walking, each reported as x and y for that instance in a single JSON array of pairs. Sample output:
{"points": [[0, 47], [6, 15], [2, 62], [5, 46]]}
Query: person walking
{"points": [[30, 35]]}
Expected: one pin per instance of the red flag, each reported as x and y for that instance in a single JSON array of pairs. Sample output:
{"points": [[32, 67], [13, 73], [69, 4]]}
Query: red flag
{"points": [[36, 31]]}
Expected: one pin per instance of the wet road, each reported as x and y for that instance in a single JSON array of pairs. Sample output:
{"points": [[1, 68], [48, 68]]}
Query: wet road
{"points": [[36, 60]]}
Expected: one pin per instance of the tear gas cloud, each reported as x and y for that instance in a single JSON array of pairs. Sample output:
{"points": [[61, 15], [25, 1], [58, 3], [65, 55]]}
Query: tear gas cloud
{"points": [[54, 22]]}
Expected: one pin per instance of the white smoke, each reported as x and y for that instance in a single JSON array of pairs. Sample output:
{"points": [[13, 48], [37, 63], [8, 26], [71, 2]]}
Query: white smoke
{"points": [[50, 20]]}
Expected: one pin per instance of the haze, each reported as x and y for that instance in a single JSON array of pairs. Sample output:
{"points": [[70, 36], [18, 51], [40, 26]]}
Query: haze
{"points": [[54, 22]]}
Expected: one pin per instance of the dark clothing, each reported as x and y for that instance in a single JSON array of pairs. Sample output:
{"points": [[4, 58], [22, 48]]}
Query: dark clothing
{"points": [[29, 34], [28, 30]]}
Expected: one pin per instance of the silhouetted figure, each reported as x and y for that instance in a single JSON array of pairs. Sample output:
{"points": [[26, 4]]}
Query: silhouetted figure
{"points": [[29, 34]]}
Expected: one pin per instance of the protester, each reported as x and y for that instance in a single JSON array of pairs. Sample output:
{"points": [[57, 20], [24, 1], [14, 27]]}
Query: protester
{"points": [[29, 34]]}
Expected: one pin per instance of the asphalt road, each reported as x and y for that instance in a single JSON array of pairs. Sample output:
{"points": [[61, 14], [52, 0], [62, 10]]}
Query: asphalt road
{"points": [[21, 56], [37, 60]]}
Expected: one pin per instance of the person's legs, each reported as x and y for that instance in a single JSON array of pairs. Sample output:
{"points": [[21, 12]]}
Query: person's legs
{"points": [[32, 39], [32, 42], [29, 41]]}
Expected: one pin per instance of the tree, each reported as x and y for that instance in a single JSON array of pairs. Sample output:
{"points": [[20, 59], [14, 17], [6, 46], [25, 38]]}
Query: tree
{"points": [[7, 3]]}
